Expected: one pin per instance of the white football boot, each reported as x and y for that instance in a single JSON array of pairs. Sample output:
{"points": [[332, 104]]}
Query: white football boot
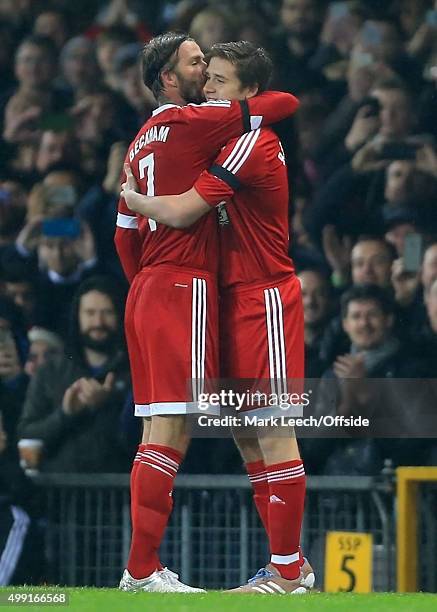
{"points": [[155, 583], [161, 581], [178, 586]]}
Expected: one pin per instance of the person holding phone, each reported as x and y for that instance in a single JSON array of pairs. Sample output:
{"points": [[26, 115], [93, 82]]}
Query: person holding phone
{"points": [[62, 249]]}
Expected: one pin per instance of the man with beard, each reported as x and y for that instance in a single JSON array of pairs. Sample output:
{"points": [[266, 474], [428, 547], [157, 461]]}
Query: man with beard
{"points": [[74, 401], [172, 307]]}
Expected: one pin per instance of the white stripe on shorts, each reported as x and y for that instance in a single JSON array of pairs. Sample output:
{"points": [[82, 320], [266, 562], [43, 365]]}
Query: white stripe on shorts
{"points": [[198, 336], [276, 341]]}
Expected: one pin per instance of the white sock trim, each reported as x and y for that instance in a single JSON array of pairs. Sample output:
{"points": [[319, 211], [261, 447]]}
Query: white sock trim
{"points": [[284, 559]]}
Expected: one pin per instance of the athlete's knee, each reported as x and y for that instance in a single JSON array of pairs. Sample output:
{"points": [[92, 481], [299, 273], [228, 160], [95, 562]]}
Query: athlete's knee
{"points": [[249, 448], [277, 449], [170, 431], [147, 423]]}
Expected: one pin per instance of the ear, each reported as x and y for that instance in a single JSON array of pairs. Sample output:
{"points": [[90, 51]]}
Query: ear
{"points": [[252, 91], [169, 79]]}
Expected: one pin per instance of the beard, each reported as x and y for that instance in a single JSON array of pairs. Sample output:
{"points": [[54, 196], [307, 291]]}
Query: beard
{"points": [[103, 345], [191, 91]]}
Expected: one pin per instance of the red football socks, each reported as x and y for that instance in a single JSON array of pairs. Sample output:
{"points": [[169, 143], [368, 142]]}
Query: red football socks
{"points": [[285, 511], [256, 471], [152, 504], [135, 464]]}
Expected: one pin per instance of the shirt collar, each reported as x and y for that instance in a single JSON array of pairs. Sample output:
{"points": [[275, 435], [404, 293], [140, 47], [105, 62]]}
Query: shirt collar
{"points": [[57, 279], [163, 108]]}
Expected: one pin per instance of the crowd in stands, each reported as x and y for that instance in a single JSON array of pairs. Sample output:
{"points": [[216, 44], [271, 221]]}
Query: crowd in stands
{"points": [[362, 160]]}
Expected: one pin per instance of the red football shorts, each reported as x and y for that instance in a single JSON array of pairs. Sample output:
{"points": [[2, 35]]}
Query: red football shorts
{"points": [[262, 337], [171, 324]]}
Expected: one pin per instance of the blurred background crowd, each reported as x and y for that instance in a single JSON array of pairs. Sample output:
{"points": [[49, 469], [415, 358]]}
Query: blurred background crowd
{"points": [[363, 211]]}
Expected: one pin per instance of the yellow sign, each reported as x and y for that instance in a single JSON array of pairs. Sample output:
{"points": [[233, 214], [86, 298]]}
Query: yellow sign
{"points": [[348, 562]]}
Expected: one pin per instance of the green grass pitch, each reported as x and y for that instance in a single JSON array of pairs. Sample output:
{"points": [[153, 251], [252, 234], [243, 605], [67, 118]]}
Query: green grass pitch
{"points": [[112, 600]]}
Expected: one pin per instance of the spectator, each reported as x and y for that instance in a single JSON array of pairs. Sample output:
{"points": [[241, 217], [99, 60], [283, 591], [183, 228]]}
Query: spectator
{"points": [[52, 24], [79, 71], [252, 29], [107, 45], [368, 318], [399, 223], [55, 147], [382, 39], [295, 43], [396, 187], [411, 15], [121, 13], [66, 255], [96, 129], [35, 69], [74, 402], [63, 250], [20, 287], [16, 14], [371, 261], [340, 29], [412, 288], [43, 344], [99, 209], [211, 25], [129, 83], [316, 296], [57, 195]]}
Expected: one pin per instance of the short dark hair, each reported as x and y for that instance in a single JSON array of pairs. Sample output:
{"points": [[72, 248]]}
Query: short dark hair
{"points": [[253, 64], [107, 286], [365, 293], [159, 53], [391, 251], [118, 33]]}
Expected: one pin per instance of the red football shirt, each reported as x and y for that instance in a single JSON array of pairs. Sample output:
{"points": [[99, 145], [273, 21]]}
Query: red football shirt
{"points": [[170, 151], [254, 224]]}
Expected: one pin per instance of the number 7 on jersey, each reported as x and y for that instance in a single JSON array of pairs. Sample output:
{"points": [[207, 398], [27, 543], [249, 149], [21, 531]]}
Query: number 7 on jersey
{"points": [[149, 163]]}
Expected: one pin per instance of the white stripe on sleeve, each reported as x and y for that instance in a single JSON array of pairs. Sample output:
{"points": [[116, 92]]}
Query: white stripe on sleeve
{"points": [[127, 221], [241, 151], [246, 153]]}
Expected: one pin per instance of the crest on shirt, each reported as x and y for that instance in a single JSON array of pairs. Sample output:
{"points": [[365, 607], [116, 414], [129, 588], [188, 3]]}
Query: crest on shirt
{"points": [[223, 217]]}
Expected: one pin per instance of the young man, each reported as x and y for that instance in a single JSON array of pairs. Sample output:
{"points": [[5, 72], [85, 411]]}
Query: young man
{"points": [[172, 307], [261, 315]]}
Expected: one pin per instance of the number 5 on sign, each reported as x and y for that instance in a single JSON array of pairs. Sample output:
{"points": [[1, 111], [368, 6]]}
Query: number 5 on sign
{"points": [[348, 562]]}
